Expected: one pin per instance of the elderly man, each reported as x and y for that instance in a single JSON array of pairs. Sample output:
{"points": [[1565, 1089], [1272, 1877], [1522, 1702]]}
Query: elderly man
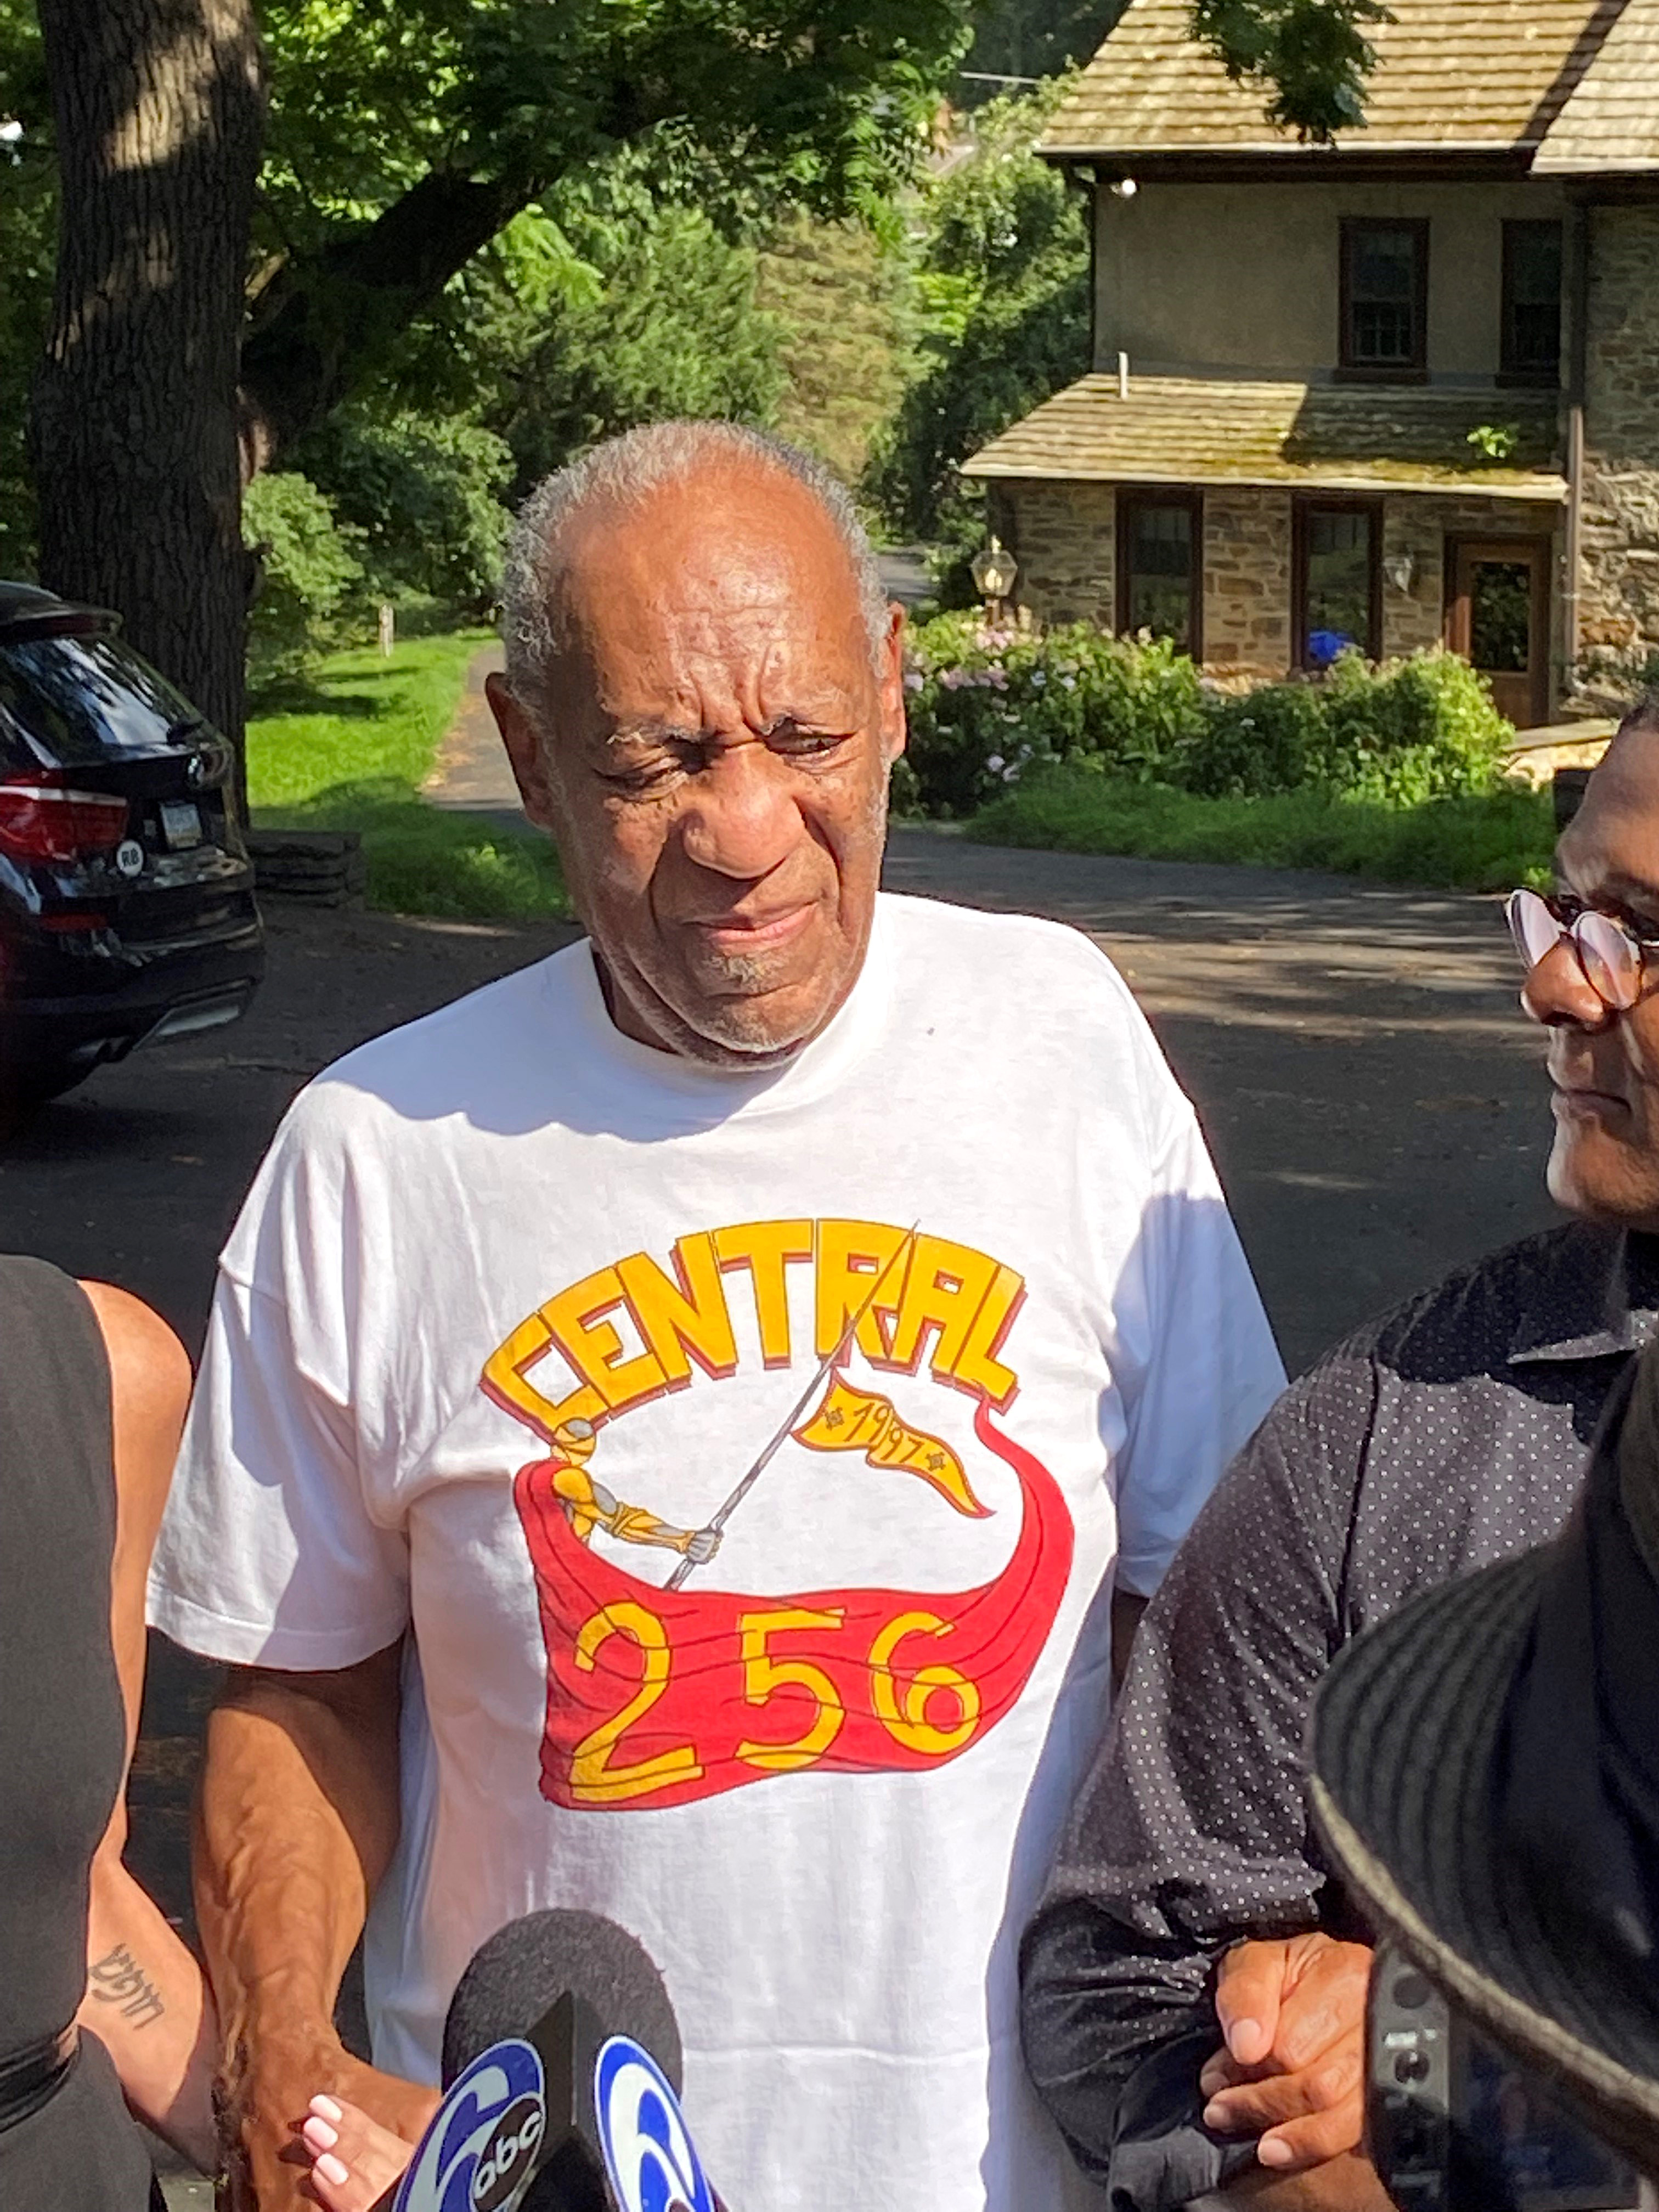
{"points": [[672, 1421], [1194, 1984]]}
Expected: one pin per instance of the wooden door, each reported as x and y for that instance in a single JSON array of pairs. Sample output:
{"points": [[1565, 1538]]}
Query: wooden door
{"points": [[1497, 616]]}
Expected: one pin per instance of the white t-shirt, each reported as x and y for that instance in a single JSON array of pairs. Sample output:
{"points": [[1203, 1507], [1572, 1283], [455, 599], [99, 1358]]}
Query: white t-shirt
{"points": [[821, 1779]]}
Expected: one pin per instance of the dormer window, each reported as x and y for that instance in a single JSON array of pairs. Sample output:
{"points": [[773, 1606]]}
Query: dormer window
{"points": [[1385, 291], [1531, 351]]}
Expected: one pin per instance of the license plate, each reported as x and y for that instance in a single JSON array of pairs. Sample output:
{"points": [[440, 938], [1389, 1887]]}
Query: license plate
{"points": [[181, 824]]}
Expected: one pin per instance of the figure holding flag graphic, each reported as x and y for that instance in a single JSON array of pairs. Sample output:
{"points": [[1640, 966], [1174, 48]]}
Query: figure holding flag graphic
{"points": [[589, 1505]]}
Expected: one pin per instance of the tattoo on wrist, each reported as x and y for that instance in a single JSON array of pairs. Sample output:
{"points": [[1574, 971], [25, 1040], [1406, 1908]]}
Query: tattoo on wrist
{"points": [[117, 1978]]}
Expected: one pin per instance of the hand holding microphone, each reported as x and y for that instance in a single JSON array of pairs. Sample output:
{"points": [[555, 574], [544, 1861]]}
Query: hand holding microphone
{"points": [[562, 2064]]}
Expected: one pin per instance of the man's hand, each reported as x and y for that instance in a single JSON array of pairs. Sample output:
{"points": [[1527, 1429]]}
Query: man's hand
{"points": [[1292, 2065], [264, 2111]]}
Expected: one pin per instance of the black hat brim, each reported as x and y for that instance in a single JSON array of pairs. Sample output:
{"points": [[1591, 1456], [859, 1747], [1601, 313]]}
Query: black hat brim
{"points": [[1406, 1744]]}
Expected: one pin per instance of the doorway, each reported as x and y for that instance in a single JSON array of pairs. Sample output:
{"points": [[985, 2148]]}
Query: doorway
{"points": [[1497, 616]]}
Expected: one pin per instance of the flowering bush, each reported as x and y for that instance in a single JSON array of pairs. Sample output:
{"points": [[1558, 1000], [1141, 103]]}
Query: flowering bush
{"points": [[988, 706]]}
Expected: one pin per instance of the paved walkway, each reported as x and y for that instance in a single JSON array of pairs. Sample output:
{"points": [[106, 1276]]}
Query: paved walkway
{"points": [[470, 771]]}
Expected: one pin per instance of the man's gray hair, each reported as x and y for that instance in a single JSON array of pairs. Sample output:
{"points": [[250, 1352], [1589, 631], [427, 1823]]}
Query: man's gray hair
{"points": [[624, 470]]}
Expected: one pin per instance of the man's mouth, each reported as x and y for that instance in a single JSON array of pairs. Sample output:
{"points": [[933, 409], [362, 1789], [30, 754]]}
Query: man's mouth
{"points": [[1577, 1102], [755, 932]]}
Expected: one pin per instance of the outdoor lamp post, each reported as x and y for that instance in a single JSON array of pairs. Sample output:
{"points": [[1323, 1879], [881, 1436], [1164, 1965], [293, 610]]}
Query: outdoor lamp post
{"points": [[994, 571]]}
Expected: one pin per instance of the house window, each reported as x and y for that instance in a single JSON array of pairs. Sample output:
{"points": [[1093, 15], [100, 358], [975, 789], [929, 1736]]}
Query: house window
{"points": [[1159, 564], [1531, 349], [1338, 581], [1385, 291]]}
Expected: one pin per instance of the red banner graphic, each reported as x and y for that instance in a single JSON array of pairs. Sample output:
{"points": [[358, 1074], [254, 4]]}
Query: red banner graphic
{"points": [[656, 1697]]}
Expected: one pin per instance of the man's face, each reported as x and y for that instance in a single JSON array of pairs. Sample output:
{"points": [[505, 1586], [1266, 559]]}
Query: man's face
{"points": [[1604, 1164], [715, 761]]}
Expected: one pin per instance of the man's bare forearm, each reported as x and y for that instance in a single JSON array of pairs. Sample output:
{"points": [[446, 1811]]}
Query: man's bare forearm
{"points": [[296, 1821]]}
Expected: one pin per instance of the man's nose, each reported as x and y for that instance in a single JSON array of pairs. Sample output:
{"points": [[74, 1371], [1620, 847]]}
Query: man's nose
{"points": [[741, 820], [1558, 993]]}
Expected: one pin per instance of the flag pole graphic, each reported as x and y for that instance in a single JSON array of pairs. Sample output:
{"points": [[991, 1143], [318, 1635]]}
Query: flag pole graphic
{"points": [[725, 1512]]}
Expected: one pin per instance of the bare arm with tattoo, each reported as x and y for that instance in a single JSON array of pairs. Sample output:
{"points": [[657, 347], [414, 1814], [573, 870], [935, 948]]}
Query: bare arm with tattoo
{"points": [[297, 1820], [145, 1999]]}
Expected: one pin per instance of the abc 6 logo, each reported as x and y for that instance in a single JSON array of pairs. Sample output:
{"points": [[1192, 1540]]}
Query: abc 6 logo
{"points": [[652, 2163]]}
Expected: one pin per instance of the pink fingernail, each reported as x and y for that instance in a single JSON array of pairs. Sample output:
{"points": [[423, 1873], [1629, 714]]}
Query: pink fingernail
{"points": [[319, 2133], [1271, 2152], [333, 2169], [326, 2109]]}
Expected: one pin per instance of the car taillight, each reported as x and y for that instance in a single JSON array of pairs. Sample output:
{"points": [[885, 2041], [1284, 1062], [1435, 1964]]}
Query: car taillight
{"points": [[40, 822]]}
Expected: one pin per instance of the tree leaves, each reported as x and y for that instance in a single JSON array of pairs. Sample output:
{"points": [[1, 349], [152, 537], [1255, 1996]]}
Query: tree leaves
{"points": [[1311, 58]]}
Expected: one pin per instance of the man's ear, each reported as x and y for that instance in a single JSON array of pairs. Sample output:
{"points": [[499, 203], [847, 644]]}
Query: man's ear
{"points": [[894, 730], [523, 741]]}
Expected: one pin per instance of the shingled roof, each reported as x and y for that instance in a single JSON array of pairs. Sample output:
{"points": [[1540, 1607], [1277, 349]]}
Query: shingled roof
{"points": [[1173, 429], [1611, 119], [1453, 76]]}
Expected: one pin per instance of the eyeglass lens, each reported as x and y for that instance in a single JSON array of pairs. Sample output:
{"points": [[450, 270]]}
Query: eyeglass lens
{"points": [[1611, 963]]}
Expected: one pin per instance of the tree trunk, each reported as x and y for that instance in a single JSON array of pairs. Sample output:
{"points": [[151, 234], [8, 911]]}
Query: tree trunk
{"points": [[321, 327], [160, 113]]}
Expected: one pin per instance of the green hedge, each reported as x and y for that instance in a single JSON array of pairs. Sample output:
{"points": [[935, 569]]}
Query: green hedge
{"points": [[987, 708]]}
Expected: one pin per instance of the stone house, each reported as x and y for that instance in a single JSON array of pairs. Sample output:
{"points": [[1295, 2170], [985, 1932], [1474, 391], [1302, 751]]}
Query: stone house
{"points": [[1401, 389]]}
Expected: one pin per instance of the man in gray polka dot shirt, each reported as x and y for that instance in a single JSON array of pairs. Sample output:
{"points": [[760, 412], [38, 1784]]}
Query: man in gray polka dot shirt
{"points": [[1194, 1980]]}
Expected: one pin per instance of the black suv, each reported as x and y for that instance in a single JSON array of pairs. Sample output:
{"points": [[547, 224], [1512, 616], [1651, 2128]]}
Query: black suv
{"points": [[126, 896]]}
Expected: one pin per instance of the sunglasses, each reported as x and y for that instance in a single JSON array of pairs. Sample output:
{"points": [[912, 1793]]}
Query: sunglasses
{"points": [[1610, 953]]}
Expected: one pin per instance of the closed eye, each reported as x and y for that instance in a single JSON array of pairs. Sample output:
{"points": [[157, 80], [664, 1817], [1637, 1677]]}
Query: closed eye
{"points": [[795, 743], [644, 776]]}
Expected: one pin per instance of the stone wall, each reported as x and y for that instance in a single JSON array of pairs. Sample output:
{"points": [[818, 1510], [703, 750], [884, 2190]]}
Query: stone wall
{"points": [[1619, 607], [1064, 536], [1421, 524], [1246, 581]]}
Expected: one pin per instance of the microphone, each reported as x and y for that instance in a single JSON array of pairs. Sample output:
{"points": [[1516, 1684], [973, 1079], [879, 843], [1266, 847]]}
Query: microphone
{"points": [[524, 1967], [562, 2065]]}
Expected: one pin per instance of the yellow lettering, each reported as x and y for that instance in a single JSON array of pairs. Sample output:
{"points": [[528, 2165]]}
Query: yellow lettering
{"points": [[934, 1299], [944, 1288], [575, 1319], [684, 1317], [505, 1379], [766, 1247], [977, 1368], [853, 1257], [593, 1779], [762, 1675], [905, 1718]]}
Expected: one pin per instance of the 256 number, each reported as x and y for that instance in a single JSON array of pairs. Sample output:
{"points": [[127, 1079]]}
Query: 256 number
{"points": [[902, 1703]]}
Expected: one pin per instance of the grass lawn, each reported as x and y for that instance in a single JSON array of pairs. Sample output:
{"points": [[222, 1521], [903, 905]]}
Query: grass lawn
{"points": [[348, 746], [1482, 844]]}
